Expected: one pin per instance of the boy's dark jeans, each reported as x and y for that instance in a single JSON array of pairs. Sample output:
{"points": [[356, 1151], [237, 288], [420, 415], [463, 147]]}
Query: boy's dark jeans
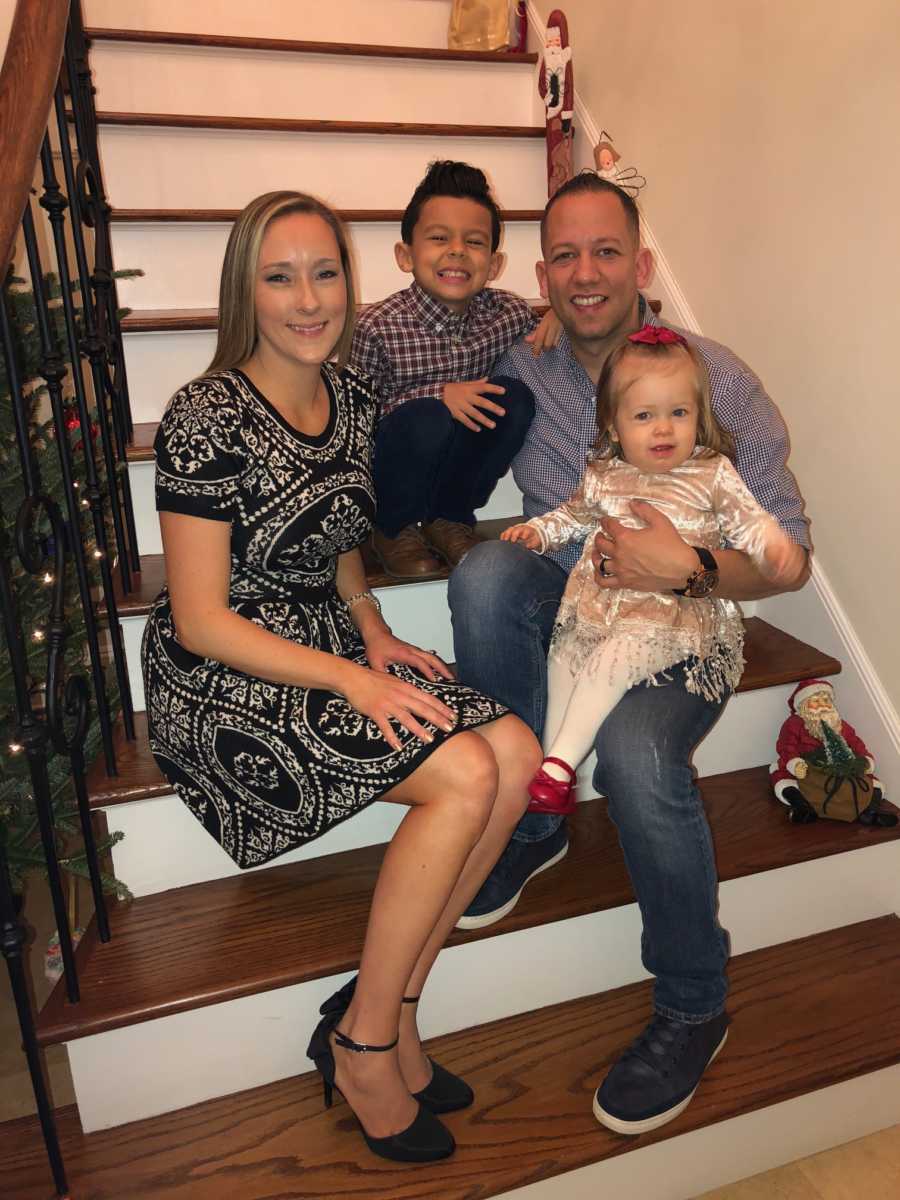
{"points": [[429, 465]]}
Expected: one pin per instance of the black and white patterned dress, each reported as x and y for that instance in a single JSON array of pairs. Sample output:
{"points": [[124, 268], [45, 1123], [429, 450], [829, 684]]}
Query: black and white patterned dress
{"points": [[267, 766]]}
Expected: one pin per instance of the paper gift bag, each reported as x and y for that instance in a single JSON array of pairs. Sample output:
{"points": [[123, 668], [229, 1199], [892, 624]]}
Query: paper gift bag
{"points": [[478, 25]]}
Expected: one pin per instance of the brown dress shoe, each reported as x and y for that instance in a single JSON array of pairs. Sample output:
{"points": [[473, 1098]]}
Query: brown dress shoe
{"points": [[452, 539], [405, 556]]}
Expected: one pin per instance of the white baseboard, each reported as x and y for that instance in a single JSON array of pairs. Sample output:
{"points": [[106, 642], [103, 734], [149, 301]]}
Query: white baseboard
{"points": [[855, 654]]}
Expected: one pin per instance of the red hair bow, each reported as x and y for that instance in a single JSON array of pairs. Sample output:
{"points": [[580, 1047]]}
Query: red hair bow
{"points": [[657, 335]]}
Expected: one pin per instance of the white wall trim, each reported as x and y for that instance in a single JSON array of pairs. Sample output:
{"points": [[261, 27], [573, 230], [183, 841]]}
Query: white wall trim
{"points": [[686, 318], [587, 127], [856, 653]]}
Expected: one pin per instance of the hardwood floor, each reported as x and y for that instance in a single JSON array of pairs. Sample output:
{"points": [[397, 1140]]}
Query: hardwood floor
{"points": [[867, 1169]]}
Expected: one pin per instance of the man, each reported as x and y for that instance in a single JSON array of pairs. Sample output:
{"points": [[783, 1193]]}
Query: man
{"points": [[504, 599]]}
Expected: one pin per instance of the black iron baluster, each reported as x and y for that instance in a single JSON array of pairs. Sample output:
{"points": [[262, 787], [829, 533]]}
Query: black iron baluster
{"points": [[12, 940], [53, 370], [94, 344], [75, 703], [67, 699], [55, 204], [31, 736], [85, 120]]}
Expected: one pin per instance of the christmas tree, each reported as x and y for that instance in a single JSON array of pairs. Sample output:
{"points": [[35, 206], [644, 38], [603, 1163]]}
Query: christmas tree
{"points": [[839, 758], [19, 833]]}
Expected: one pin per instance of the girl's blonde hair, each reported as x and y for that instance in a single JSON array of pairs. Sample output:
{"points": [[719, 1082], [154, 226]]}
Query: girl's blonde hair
{"points": [[710, 434], [237, 308]]}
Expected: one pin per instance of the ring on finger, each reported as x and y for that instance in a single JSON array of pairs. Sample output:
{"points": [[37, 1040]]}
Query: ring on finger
{"points": [[603, 571]]}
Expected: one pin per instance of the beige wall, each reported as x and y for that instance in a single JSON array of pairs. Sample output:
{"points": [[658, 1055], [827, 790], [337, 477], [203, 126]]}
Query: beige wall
{"points": [[768, 132]]}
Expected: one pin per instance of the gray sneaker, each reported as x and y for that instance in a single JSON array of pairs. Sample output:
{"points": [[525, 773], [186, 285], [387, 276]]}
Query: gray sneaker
{"points": [[656, 1077], [518, 864]]}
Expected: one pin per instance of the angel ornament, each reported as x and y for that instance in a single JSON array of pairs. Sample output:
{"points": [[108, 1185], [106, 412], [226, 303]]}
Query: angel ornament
{"points": [[606, 158]]}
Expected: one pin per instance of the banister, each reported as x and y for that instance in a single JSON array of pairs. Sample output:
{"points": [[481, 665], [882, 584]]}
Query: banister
{"points": [[27, 81]]}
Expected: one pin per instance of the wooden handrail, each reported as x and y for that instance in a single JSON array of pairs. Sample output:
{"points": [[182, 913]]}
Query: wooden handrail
{"points": [[27, 82]]}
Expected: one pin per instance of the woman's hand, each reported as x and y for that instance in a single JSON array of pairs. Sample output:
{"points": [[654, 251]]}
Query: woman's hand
{"points": [[526, 534], [383, 648], [384, 698]]}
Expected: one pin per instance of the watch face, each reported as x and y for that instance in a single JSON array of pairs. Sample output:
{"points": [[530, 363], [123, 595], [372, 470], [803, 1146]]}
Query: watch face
{"points": [[702, 584]]}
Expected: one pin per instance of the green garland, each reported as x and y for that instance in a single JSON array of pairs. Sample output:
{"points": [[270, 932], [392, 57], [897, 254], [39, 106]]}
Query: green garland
{"points": [[19, 833]]}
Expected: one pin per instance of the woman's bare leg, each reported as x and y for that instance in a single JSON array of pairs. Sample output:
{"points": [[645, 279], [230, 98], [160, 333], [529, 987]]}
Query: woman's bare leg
{"points": [[451, 798], [518, 756]]}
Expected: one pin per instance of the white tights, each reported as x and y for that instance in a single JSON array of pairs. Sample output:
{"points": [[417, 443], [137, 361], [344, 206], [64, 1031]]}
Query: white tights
{"points": [[577, 705]]}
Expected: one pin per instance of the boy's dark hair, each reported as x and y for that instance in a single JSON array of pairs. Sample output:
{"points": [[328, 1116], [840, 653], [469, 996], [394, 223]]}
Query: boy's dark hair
{"points": [[446, 178], [587, 181]]}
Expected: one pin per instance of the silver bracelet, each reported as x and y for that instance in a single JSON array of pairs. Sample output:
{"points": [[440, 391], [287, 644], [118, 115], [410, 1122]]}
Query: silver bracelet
{"points": [[360, 597]]}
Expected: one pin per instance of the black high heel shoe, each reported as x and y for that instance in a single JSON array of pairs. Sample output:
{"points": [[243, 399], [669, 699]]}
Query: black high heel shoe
{"points": [[445, 1092], [425, 1140]]}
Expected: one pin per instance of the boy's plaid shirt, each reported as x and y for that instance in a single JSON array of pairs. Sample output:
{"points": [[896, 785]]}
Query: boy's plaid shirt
{"points": [[411, 344]]}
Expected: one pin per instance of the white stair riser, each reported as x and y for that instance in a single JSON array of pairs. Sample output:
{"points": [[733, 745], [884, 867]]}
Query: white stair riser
{"points": [[158, 364], [398, 22], [224, 1048], [195, 168], [182, 263], [184, 853], [506, 501], [416, 611], [680, 1168], [252, 83]]}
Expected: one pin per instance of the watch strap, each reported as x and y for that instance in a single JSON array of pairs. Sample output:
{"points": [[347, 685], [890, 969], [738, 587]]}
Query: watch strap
{"points": [[707, 565]]}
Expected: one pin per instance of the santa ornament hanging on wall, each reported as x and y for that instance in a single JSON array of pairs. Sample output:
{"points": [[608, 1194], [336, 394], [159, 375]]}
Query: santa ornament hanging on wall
{"points": [[824, 768], [557, 90]]}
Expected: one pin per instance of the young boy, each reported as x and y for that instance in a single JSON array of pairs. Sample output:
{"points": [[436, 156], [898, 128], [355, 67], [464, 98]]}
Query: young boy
{"points": [[446, 433]]}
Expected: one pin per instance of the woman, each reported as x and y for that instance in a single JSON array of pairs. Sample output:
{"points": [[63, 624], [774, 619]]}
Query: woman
{"points": [[279, 701]]}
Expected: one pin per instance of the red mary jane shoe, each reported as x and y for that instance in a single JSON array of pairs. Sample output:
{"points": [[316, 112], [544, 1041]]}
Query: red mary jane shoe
{"points": [[549, 795]]}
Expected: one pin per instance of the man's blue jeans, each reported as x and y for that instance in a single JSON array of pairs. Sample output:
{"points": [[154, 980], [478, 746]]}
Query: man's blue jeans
{"points": [[503, 600]]}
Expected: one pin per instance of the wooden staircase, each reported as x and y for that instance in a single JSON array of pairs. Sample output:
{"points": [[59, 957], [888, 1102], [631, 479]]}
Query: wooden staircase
{"points": [[534, 1075], [208, 990]]}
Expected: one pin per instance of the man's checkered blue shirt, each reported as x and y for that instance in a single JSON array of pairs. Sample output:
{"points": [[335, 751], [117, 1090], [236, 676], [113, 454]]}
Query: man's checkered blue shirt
{"points": [[549, 466]]}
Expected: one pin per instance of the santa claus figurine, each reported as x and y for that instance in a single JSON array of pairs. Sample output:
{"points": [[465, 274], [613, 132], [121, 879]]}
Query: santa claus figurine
{"points": [[556, 88], [824, 768]]}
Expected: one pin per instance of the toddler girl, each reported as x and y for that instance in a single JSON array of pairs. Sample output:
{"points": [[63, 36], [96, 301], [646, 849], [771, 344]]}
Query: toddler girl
{"points": [[658, 441]]}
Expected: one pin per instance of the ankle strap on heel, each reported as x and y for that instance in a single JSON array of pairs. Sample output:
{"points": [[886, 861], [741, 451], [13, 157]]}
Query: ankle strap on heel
{"points": [[347, 1043]]}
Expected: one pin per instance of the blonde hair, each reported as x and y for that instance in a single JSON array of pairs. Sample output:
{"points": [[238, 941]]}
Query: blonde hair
{"points": [[237, 308], [710, 434]]}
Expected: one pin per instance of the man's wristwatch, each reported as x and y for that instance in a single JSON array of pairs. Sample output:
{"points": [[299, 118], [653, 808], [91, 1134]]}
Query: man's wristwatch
{"points": [[704, 580]]}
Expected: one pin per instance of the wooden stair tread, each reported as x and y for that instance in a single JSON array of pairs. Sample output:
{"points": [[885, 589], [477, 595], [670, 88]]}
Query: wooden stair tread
{"points": [[169, 320], [772, 657], [200, 944], [315, 125], [148, 582], [228, 215], [532, 1116], [289, 45]]}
